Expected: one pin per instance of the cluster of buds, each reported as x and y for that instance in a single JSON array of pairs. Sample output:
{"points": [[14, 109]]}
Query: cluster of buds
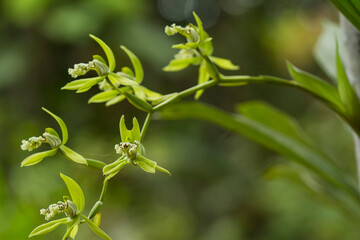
{"points": [[81, 69], [188, 31], [69, 208], [32, 143], [128, 149], [35, 142]]}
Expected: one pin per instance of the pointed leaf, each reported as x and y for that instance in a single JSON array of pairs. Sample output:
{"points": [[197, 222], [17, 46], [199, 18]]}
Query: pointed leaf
{"points": [[48, 227], [109, 53], [315, 85], [99, 58], [103, 96], [52, 132], [75, 191], [76, 84], [62, 125], [138, 102], [202, 78], [346, 91], [74, 231], [97, 219], [146, 164], [37, 157], [122, 80], [139, 73], [224, 63], [72, 155], [90, 83], [129, 135], [180, 64], [96, 229], [115, 100]]}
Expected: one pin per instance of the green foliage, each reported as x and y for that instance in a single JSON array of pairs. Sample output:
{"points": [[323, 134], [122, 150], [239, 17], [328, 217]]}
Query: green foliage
{"points": [[350, 9]]}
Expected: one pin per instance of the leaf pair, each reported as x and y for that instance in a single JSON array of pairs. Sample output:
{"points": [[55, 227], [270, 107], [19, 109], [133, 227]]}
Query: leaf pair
{"points": [[77, 197], [67, 152]]}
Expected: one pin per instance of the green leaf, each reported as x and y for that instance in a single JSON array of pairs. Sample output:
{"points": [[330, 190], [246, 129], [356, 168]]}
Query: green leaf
{"points": [[52, 132], [99, 58], [74, 231], [62, 125], [72, 155], [127, 71], [180, 64], [146, 164], [37, 157], [347, 93], [129, 135], [138, 102], [199, 26], [103, 96], [76, 84], [274, 138], [48, 227], [90, 83], [109, 54], [122, 80], [114, 167], [350, 9], [75, 191], [95, 228], [139, 92], [115, 100], [202, 78], [139, 73], [316, 86], [224, 63]]}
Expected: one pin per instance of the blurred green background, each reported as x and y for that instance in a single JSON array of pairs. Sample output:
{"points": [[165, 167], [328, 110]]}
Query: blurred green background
{"points": [[217, 190]]}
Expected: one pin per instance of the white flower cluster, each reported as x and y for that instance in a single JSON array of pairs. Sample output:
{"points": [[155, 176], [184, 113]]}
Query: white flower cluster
{"points": [[81, 69], [186, 53], [129, 149], [189, 32], [32, 143], [52, 210]]}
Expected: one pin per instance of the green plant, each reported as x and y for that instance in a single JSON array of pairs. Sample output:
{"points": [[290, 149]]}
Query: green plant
{"points": [[257, 121]]}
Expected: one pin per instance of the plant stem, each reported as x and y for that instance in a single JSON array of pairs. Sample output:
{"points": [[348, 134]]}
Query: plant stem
{"points": [[103, 191], [145, 126], [185, 93]]}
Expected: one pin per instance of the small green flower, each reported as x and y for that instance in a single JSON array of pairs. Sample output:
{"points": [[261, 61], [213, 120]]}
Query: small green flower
{"points": [[72, 209], [131, 151], [52, 138]]}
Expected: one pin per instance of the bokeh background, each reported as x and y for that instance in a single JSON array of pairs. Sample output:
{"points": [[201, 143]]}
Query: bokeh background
{"points": [[217, 190]]}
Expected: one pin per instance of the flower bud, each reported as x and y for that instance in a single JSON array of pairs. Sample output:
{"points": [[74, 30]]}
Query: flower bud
{"points": [[52, 140], [32, 143]]}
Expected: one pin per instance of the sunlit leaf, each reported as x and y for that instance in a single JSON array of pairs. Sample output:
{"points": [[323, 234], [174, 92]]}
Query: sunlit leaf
{"points": [[129, 135], [74, 231], [62, 125], [109, 53], [224, 63], [202, 78], [103, 96], [347, 93], [48, 227], [146, 164], [139, 73], [121, 79], [38, 157], [96, 229], [138, 102], [75, 191], [90, 83], [72, 155], [180, 64], [115, 100]]}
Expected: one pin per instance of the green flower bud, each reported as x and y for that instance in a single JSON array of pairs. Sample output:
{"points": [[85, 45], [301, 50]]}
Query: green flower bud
{"points": [[52, 140]]}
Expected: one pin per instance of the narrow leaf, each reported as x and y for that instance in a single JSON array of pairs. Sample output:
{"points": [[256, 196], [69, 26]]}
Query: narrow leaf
{"points": [[139, 72], [103, 96], [146, 164], [109, 53], [75, 191], [62, 125], [76, 84], [224, 63], [115, 100], [180, 64], [90, 83], [138, 102], [48, 227], [74, 231], [202, 78], [37, 157], [72, 155], [96, 229], [122, 80]]}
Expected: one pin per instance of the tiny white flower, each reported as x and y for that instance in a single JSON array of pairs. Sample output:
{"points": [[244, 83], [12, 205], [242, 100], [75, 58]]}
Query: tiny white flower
{"points": [[32, 143]]}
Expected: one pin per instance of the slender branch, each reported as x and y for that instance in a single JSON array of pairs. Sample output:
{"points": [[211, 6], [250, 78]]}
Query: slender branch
{"points": [[145, 126], [185, 93], [103, 191]]}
